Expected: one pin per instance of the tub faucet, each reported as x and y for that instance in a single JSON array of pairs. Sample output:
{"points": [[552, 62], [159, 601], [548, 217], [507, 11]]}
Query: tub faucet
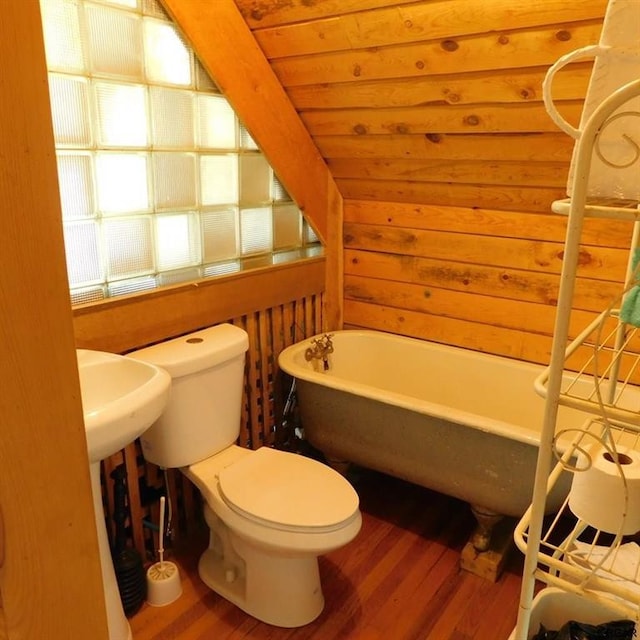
{"points": [[320, 349]]}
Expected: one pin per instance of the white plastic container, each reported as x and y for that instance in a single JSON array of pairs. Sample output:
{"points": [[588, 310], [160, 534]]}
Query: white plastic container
{"points": [[554, 607]]}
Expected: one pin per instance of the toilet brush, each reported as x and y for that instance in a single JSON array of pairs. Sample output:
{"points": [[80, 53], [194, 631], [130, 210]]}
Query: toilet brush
{"points": [[163, 578]]}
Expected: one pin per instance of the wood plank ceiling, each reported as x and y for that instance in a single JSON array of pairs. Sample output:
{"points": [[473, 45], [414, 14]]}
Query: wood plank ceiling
{"points": [[432, 101]]}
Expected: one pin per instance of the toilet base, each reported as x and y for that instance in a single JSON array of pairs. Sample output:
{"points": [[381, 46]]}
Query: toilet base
{"points": [[279, 590]]}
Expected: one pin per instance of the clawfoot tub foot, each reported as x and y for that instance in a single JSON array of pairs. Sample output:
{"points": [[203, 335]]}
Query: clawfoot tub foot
{"points": [[486, 552], [487, 520]]}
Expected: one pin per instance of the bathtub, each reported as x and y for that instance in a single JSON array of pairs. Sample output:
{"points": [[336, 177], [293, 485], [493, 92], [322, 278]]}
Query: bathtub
{"points": [[459, 422]]}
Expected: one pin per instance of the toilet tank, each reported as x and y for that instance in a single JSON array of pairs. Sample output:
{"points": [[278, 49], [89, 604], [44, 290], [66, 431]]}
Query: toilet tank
{"points": [[202, 416]]}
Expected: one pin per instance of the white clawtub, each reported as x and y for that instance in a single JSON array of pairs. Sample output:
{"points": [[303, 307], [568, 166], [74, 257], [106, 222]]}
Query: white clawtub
{"points": [[460, 422]]}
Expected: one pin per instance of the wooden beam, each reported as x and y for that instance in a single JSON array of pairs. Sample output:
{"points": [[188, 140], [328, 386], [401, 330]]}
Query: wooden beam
{"points": [[228, 51], [50, 578], [125, 323]]}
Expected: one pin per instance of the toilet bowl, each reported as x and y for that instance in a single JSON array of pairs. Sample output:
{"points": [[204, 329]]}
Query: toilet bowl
{"points": [[270, 513]]}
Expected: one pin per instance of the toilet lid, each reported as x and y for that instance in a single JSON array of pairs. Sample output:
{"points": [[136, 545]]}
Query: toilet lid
{"points": [[288, 491]]}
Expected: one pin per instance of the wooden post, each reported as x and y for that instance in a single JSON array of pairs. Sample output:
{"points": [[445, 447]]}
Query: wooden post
{"points": [[50, 578]]}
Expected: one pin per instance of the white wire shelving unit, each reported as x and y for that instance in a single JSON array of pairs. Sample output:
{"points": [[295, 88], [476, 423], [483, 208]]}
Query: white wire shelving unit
{"points": [[598, 373]]}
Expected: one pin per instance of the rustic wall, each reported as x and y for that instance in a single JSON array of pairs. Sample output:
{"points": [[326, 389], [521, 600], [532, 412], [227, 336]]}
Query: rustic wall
{"points": [[437, 102], [430, 118]]}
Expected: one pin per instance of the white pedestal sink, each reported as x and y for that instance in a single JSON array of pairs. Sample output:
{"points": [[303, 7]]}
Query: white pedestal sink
{"points": [[121, 399]]}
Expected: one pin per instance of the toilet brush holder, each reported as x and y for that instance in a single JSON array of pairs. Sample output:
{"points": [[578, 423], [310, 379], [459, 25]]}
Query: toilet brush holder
{"points": [[163, 584], [163, 577]]}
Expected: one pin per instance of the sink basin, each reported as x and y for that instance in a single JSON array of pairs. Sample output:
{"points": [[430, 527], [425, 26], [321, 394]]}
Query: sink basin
{"points": [[121, 398]]}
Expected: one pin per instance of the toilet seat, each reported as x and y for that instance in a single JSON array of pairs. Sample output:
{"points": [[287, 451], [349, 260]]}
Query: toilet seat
{"points": [[288, 492]]}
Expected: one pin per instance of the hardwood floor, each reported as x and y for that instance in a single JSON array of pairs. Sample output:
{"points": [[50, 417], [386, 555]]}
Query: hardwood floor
{"points": [[398, 580]]}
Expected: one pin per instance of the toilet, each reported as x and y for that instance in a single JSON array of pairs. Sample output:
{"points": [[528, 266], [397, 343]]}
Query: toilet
{"points": [[270, 513]]}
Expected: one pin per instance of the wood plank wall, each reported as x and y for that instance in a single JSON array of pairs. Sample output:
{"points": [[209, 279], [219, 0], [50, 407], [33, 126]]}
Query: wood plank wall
{"points": [[430, 117], [481, 279], [432, 102]]}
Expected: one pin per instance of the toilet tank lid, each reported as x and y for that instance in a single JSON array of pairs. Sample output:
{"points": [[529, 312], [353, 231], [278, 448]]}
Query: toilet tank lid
{"points": [[196, 351]]}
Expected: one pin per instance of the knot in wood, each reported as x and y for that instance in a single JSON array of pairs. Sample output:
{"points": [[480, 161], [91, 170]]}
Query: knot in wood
{"points": [[584, 258], [360, 129], [472, 120], [563, 35], [449, 45]]}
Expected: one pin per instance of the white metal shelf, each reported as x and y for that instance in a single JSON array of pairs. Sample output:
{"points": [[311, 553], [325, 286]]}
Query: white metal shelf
{"points": [[575, 557], [598, 373], [607, 353], [611, 208]]}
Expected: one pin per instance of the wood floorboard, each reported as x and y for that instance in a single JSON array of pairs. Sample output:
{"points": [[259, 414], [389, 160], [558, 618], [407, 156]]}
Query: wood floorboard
{"points": [[398, 580]]}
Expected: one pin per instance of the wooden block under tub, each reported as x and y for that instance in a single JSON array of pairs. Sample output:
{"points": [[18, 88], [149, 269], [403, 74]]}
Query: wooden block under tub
{"points": [[489, 564]]}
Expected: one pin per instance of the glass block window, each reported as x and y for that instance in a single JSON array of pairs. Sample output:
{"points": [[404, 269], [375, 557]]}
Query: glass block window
{"points": [[159, 181]]}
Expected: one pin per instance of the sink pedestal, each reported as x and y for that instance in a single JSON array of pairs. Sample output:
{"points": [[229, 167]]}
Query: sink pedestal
{"points": [[118, 624], [121, 398]]}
